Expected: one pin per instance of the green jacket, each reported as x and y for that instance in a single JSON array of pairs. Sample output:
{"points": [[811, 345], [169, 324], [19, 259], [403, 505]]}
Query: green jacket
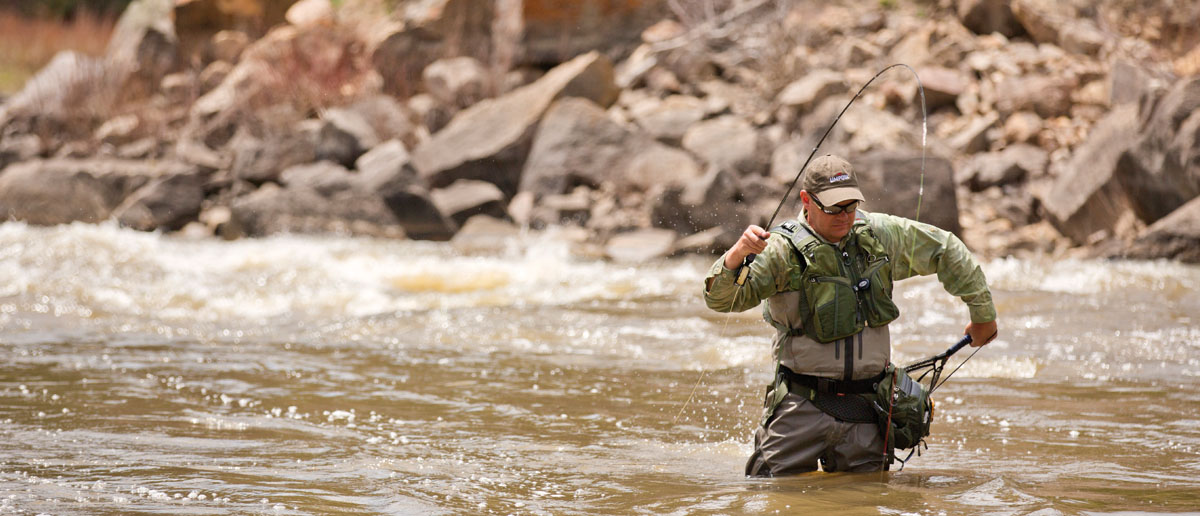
{"points": [[914, 248]]}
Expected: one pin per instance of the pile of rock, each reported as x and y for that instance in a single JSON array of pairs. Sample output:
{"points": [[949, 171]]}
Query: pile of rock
{"points": [[655, 127]]}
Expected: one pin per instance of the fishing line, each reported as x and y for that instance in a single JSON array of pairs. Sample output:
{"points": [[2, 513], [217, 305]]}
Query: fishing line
{"points": [[743, 272]]}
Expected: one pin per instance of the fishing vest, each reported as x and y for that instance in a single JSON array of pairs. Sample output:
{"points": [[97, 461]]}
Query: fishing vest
{"points": [[831, 317]]}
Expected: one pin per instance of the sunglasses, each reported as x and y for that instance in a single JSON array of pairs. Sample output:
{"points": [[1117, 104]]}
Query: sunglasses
{"points": [[837, 208]]}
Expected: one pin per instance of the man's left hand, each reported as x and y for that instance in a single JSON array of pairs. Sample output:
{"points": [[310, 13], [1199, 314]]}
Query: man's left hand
{"points": [[982, 333]]}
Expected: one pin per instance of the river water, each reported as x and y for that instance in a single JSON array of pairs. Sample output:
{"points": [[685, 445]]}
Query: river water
{"points": [[302, 375]]}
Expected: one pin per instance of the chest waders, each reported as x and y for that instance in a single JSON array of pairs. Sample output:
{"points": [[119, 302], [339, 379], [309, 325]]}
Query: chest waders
{"points": [[835, 294]]}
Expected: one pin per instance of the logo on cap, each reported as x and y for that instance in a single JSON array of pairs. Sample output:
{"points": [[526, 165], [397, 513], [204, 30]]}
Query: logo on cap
{"points": [[839, 177]]}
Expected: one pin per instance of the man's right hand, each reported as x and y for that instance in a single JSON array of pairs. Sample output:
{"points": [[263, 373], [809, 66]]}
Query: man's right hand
{"points": [[752, 241]]}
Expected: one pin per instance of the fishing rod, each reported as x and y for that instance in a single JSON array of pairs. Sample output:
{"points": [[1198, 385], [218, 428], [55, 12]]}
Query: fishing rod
{"points": [[743, 272]]}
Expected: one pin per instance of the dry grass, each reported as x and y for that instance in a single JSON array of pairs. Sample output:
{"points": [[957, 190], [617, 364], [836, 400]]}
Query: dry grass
{"points": [[27, 44]]}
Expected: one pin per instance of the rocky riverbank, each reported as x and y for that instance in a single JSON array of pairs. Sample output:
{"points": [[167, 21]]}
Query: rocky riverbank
{"points": [[652, 127]]}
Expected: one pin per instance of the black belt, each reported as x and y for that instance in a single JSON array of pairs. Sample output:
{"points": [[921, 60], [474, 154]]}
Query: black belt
{"points": [[831, 386]]}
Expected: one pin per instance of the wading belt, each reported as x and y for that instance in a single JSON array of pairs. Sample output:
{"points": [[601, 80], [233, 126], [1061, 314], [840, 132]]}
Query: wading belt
{"points": [[831, 386]]}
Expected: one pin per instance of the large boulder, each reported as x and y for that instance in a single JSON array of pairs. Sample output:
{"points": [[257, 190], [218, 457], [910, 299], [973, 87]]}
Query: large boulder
{"points": [[167, 203], [892, 182], [490, 140], [728, 143], [1048, 96], [261, 159], [59, 191], [297, 209], [1176, 236], [1086, 197], [578, 144], [669, 118], [1161, 171]]}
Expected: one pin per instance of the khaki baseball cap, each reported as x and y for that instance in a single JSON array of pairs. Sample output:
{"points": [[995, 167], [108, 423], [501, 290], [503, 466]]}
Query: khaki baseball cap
{"points": [[831, 179]]}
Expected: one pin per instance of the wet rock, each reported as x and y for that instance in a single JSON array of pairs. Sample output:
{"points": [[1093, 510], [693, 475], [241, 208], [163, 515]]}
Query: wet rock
{"points": [[1176, 237], [640, 245], [167, 203], [1161, 171], [413, 208], [458, 81], [467, 198], [1086, 197], [490, 140]]}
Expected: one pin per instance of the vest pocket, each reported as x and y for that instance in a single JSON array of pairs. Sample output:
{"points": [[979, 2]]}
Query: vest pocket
{"points": [[836, 309], [878, 299]]}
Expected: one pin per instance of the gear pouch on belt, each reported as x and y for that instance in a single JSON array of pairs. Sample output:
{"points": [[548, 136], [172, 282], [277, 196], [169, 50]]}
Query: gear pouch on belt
{"points": [[911, 408]]}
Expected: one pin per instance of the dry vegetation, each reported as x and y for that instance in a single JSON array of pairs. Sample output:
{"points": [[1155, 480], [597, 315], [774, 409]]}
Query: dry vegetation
{"points": [[27, 44]]}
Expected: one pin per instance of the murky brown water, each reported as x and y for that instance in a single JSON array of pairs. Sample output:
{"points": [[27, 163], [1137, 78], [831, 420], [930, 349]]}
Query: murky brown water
{"points": [[145, 374]]}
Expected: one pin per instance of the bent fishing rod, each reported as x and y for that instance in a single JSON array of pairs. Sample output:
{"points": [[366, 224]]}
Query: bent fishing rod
{"points": [[743, 272], [934, 365]]}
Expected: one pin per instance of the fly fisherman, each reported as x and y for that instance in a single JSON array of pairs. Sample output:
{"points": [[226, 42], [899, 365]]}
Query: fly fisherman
{"points": [[827, 282]]}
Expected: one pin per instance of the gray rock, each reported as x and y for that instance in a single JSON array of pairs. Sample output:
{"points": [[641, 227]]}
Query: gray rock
{"points": [[324, 177], [729, 143], [670, 118], [1046, 95], [806, 93], [18, 148], [577, 143], [1161, 171], [384, 164], [1176, 236], [490, 140], [467, 198], [942, 86], [65, 97], [891, 181], [344, 136], [167, 203], [431, 30], [260, 160], [39, 194], [273, 209], [1086, 196], [144, 47], [974, 138], [1007, 167]]}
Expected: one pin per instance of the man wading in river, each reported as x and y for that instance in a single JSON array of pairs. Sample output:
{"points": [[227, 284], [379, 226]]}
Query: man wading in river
{"points": [[827, 281]]}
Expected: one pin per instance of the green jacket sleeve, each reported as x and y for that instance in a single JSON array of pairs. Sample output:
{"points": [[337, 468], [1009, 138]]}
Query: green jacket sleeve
{"points": [[919, 249], [768, 274]]}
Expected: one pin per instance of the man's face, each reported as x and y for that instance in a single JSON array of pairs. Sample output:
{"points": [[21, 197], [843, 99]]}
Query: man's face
{"points": [[831, 227]]}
